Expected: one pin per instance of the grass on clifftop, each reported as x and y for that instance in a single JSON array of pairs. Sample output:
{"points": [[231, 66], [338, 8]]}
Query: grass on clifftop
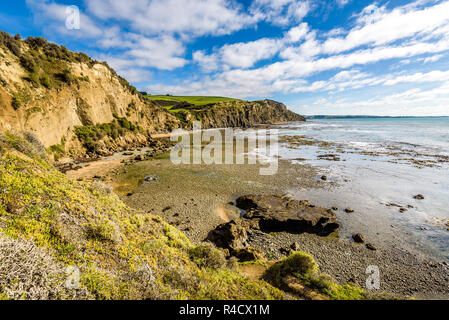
{"points": [[53, 226], [195, 100]]}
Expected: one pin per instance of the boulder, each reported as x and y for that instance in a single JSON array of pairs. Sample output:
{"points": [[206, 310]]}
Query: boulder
{"points": [[349, 210], [232, 235], [150, 178], [139, 158], [371, 246], [275, 213], [359, 238], [295, 246], [248, 254], [418, 197]]}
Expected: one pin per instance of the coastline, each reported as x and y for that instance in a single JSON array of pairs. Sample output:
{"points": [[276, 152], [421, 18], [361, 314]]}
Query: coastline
{"points": [[196, 199]]}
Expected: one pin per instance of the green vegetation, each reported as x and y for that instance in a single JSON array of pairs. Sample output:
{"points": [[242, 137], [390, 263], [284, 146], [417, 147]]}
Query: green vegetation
{"points": [[303, 267], [120, 253], [16, 103], [207, 255], [58, 150], [195, 100], [47, 64], [90, 135]]}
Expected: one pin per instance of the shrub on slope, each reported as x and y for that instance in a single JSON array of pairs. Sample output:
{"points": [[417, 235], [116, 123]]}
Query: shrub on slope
{"points": [[120, 253]]}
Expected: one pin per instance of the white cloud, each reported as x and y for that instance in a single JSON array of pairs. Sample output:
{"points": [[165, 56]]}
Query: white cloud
{"points": [[53, 17], [280, 12], [354, 79], [349, 74], [197, 17], [297, 33], [208, 63], [163, 52], [419, 77], [157, 34], [136, 75], [433, 58], [378, 26], [414, 101], [245, 55], [342, 3]]}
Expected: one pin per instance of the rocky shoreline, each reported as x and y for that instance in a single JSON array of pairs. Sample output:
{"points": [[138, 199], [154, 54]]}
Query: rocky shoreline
{"points": [[198, 199]]}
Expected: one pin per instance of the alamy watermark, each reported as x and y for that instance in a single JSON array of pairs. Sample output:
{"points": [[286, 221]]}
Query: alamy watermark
{"points": [[73, 278], [227, 146], [73, 18], [373, 280]]}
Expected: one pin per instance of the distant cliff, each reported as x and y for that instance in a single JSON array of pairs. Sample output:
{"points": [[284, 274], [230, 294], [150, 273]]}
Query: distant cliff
{"points": [[236, 113]]}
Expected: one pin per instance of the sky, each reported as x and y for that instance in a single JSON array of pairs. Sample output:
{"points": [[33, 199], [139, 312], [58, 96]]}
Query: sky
{"points": [[318, 57]]}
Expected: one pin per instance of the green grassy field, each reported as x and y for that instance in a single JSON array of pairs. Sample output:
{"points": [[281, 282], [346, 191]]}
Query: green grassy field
{"points": [[196, 100]]}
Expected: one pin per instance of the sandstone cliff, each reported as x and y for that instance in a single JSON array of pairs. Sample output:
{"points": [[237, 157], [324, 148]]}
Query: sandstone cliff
{"points": [[50, 91]]}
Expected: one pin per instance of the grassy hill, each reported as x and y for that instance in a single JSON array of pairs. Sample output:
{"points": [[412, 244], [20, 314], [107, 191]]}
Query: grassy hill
{"points": [[195, 100]]}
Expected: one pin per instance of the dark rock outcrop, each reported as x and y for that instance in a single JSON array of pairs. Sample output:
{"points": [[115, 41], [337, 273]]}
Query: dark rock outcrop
{"points": [[243, 114], [248, 254], [276, 213], [270, 213], [231, 235]]}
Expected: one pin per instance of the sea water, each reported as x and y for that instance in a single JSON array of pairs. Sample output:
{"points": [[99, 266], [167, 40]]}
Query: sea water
{"points": [[381, 161]]}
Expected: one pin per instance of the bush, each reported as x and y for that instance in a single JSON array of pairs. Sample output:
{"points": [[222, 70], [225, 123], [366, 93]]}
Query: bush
{"points": [[304, 268], [102, 188], [103, 230], [36, 42], [45, 81], [29, 149], [34, 141], [16, 103], [298, 264], [29, 272], [34, 79], [11, 43], [67, 77], [28, 63], [208, 256]]}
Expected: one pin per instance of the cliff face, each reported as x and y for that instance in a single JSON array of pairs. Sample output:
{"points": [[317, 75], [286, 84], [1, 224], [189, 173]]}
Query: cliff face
{"points": [[237, 114], [246, 114], [48, 90]]}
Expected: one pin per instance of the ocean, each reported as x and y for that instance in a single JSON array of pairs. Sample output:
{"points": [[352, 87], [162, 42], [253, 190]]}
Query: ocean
{"points": [[376, 166]]}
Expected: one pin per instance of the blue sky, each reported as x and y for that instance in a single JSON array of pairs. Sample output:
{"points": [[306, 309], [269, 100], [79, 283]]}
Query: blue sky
{"points": [[316, 56]]}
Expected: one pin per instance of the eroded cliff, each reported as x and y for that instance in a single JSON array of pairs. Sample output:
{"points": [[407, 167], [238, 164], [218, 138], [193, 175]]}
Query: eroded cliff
{"points": [[50, 91]]}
